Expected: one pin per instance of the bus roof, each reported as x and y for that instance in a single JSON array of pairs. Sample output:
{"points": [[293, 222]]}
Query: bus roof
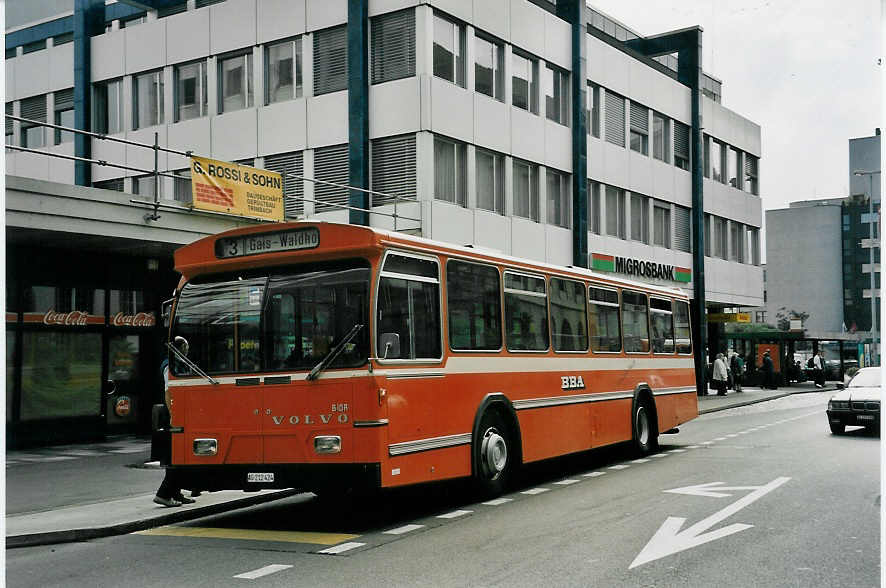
{"points": [[199, 257]]}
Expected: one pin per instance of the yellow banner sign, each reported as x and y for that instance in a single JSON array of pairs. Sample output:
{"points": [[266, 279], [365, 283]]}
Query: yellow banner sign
{"points": [[729, 317], [220, 186]]}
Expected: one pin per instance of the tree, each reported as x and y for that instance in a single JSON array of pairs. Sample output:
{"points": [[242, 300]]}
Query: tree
{"points": [[784, 316]]}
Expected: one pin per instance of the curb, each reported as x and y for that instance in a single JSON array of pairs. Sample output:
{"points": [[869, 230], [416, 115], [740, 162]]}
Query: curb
{"points": [[178, 516], [759, 400]]}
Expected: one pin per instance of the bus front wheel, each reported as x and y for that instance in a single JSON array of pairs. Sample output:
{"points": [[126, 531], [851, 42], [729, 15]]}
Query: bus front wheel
{"points": [[493, 455], [645, 435]]}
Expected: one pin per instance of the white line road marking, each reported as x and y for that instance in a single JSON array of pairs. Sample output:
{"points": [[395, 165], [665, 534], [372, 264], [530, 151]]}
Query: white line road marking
{"points": [[130, 450], [720, 439], [677, 451], [535, 491], [732, 435], [341, 548], [669, 539], [707, 442], [619, 467], [640, 461], [659, 455], [265, 571], [693, 446], [454, 514], [404, 529], [594, 474], [83, 453], [567, 482], [497, 501]]}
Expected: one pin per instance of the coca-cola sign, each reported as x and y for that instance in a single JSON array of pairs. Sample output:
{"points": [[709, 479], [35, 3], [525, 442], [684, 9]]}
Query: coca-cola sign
{"points": [[141, 319], [74, 318]]}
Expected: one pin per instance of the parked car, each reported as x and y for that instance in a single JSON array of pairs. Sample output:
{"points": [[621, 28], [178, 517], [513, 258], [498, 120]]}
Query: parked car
{"points": [[858, 403]]}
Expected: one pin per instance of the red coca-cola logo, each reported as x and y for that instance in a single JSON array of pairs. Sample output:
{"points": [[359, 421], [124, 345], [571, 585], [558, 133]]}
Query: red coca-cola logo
{"points": [[141, 319], [74, 318]]}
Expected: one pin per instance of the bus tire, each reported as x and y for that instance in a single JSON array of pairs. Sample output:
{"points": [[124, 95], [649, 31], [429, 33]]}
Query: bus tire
{"points": [[494, 455], [643, 426]]}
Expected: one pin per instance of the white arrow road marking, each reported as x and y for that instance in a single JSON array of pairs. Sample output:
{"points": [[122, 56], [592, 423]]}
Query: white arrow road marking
{"points": [[711, 489], [669, 540]]}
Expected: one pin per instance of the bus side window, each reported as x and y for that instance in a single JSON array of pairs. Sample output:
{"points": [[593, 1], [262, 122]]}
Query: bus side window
{"points": [[409, 305], [526, 313], [662, 320], [605, 324], [568, 315], [682, 333], [474, 305], [635, 321]]}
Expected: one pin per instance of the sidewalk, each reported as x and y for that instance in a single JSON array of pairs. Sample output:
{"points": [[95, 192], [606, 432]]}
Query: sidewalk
{"points": [[82, 492]]}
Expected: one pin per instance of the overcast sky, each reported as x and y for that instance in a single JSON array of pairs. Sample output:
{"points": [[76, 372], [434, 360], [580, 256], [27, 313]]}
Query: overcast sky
{"points": [[805, 71]]}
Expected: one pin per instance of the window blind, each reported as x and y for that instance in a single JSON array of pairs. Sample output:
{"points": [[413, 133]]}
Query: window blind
{"points": [[330, 60], [393, 168], [64, 99], [34, 108], [639, 117], [331, 165], [615, 119], [293, 188], [393, 46], [682, 231]]}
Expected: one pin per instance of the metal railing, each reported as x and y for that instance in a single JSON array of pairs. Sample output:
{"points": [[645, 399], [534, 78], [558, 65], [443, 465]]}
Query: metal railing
{"points": [[156, 204]]}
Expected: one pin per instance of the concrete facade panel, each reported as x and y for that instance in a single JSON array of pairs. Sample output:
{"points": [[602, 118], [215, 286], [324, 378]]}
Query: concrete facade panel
{"points": [[558, 146], [278, 19], [492, 231], [327, 119], [32, 74], [108, 53], [527, 239], [492, 123], [190, 135], [558, 41], [234, 135], [149, 34], [493, 17], [461, 9], [395, 107], [61, 67], [232, 25], [322, 14], [450, 223], [447, 98], [526, 129], [282, 127], [525, 32], [558, 245], [187, 37]]}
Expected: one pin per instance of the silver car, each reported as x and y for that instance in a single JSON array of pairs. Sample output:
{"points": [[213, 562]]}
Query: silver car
{"points": [[858, 403]]}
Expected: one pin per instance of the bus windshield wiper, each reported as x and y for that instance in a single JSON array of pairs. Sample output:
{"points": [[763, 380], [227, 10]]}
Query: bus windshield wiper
{"points": [[333, 353], [189, 363]]}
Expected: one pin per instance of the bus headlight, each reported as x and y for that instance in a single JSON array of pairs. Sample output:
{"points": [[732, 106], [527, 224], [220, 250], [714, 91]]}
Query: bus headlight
{"points": [[327, 444], [205, 447]]}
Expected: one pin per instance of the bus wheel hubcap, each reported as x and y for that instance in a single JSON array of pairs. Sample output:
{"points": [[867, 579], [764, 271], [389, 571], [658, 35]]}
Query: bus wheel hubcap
{"points": [[642, 426], [493, 453]]}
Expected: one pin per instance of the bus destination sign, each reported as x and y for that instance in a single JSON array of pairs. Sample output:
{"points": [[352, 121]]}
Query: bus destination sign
{"points": [[291, 240]]}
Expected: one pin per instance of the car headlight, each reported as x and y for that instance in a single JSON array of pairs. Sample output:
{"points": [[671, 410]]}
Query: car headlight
{"points": [[838, 405]]}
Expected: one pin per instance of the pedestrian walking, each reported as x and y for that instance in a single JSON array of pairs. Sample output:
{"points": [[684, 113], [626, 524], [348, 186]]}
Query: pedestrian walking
{"points": [[737, 368], [818, 370], [768, 369], [169, 493], [720, 375], [730, 379]]}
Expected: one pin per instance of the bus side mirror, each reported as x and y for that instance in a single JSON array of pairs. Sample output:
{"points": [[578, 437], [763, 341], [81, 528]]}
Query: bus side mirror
{"points": [[390, 345]]}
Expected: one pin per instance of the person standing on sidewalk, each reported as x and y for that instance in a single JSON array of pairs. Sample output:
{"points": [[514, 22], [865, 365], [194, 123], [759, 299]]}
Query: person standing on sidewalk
{"points": [[168, 494], [720, 375], [818, 369], [768, 369], [737, 368]]}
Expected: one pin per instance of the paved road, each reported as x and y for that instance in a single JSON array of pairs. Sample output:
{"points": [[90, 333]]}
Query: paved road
{"points": [[794, 506]]}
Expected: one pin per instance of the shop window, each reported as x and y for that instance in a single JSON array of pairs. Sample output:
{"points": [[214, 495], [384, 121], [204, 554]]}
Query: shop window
{"points": [[70, 306], [61, 374]]}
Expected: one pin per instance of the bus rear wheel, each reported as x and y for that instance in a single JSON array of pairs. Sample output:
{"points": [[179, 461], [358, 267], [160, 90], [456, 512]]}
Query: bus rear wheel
{"points": [[645, 435], [492, 456]]}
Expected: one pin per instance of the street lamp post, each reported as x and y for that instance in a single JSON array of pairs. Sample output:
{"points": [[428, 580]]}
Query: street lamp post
{"points": [[870, 175]]}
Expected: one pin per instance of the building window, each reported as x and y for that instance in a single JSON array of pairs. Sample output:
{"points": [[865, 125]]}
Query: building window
{"points": [[64, 115], [760, 316], [393, 168], [283, 73], [558, 193], [115, 184], [752, 241], [525, 190], [147, 92], [733, 164], [639, 128], [615, 119], [33, 135], [661, 132], [615, 212], [330, 60], [133, 21], [449, 50], [750, 174], [450, 184], [144, 185], [10, 124], [235, 82], [489, 68], [594, 217], [393, 46], [171, 10], [62, 39], [593, 112], [720, 243], [181, 186], [556, 95], [191, 96], [661, 224], [11, 52], [33, 46], [681, 145], [640, 218], [331, 165], [736, 238], [524, 82], [718, 161], [108, 107], [291, 166], [682, 229], [490, 181]]}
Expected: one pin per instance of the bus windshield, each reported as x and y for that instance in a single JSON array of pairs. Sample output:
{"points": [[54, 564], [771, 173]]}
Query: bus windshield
{"points": [[286, 319]]}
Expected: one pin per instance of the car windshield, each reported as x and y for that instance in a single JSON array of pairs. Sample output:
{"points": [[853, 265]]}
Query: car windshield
{"points": [[866, 379], [287, 319]]}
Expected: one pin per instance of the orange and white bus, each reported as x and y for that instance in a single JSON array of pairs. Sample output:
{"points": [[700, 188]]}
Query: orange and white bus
{"points": [[324, 356]]}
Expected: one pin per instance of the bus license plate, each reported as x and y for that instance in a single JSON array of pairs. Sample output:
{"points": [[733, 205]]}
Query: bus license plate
{"points": [[259, 477], [865, 417]]}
